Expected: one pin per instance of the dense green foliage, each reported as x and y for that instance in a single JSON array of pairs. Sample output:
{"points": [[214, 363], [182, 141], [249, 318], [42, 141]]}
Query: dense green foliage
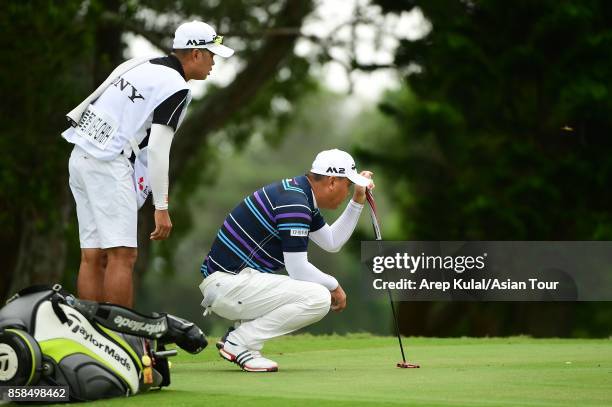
{"points": [[43, 73], [504, 136]]}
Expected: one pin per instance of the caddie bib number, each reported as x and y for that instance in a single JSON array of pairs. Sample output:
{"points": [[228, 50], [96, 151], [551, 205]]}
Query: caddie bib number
{"points": [[97, 127]]}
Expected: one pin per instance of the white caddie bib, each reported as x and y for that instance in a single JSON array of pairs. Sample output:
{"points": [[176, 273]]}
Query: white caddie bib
{"points": [[97, 127], [121, 114]]}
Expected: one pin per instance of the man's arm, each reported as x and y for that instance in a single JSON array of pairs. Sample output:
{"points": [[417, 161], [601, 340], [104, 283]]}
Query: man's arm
{"points": [[165, 122], [332, 238], [299, 268], [294, 222], [160, 140]]}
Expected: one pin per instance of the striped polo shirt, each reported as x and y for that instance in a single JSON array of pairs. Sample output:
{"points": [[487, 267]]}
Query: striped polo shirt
{"points": [[274, 219]]}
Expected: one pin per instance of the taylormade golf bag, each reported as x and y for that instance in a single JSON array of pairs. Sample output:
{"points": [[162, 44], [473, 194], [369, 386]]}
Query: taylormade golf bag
{"points": [[50, 338]]}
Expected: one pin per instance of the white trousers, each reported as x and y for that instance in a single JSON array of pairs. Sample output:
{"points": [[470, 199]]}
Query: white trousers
{"points": [[265, 305]]}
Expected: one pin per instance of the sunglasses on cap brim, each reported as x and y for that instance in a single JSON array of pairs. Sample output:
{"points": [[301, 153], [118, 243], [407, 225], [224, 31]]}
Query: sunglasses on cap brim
{"points": [[217, 39]]}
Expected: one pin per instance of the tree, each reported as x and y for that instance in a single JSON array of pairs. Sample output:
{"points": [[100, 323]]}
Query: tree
{"points": [[504, 137], [42, 75], [63, 52]]}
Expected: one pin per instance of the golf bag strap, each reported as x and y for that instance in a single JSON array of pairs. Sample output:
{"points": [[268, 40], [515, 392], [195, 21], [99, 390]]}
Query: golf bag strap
{"points": [[124, 320], [56, 288], [56, 292], [59, 312]]}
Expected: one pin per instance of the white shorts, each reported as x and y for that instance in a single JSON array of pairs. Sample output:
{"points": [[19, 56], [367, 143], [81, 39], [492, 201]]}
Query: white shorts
{"points": [[105, 200]]}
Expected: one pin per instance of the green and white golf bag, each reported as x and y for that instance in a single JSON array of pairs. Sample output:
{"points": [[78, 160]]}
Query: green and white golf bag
{"points": [[99, 350]]}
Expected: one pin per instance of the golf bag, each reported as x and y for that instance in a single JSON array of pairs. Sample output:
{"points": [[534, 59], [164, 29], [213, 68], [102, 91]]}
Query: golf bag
{"points": [[99, 350]]}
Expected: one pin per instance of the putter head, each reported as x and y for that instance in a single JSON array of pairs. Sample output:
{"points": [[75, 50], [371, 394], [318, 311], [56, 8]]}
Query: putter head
{"points": [[406, 365]]}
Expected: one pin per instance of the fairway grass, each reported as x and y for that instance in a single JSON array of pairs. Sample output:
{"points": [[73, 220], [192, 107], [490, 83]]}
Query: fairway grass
{"points": [[359, 370]]}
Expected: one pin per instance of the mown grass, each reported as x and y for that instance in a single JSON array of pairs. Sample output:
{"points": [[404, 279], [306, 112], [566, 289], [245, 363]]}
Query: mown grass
{"points": [[359, 369]]}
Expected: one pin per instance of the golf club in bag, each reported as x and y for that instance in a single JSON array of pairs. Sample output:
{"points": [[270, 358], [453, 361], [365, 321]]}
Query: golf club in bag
{"points": [[98, 350], [376, 226]]}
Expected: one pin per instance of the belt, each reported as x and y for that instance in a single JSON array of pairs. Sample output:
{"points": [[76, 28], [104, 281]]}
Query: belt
{"points": [[206, 273], [135, 148]]}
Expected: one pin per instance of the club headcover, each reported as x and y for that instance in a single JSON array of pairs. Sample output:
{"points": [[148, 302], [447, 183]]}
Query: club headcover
{"points": [[185, 334]]}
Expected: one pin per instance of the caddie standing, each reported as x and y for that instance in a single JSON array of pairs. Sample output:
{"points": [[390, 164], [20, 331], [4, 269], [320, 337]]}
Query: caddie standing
{"points": [[129, 121]]}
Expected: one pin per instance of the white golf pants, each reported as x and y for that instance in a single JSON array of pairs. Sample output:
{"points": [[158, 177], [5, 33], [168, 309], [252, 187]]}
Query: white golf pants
{"points": [[265, 305]]}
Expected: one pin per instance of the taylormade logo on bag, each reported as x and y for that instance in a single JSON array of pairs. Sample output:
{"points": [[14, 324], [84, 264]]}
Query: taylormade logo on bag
{"points": [[80, 332], [139, 326], [89, 337]]}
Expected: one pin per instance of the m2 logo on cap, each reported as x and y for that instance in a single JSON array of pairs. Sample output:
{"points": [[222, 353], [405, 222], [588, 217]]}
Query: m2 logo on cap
{"points": [[196, 42], [299, 232], [336, 170]]}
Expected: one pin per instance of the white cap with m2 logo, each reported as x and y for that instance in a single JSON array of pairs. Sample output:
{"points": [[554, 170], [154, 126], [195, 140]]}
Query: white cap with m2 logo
{"points": [[338, 163], [196, 34]]}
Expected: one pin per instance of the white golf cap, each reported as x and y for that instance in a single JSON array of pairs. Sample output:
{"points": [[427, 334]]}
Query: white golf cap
{"points": [[196, 34], [338, 163]]}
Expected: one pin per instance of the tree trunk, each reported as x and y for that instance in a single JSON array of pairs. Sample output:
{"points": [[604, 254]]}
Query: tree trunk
{"points": [[108, 47], [9, 247], [41, 254]]}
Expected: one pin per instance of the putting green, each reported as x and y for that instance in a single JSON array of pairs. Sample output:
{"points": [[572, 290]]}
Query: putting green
{"points": [[360, 369]]}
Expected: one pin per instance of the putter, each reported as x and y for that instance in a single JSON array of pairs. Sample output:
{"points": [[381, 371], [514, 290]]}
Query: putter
{"points": [[376, 225]]}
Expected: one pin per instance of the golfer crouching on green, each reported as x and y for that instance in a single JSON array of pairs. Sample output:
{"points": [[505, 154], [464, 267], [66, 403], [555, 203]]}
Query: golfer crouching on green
{"points": [[270, 230]]}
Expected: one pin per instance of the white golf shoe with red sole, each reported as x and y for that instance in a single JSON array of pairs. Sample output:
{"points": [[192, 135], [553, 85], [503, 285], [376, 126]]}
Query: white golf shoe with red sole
{"points": [[248, 360]]}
